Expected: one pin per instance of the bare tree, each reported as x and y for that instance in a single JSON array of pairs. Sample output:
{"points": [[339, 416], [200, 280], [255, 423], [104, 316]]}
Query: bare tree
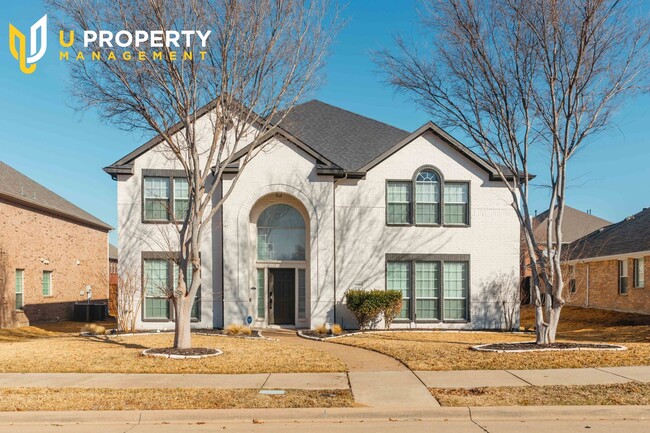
{"points": [[526, 80], [260, 58]]}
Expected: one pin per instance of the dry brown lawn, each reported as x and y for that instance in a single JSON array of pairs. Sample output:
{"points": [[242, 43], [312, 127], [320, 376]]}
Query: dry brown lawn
{"points": [[47, 399], [444, 350], [74, 354], [620, 394]]}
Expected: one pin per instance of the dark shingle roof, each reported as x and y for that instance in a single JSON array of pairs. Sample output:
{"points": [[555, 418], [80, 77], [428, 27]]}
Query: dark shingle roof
{"points": [[18, 188], [628, 236], [347, 139], [575, 224]]}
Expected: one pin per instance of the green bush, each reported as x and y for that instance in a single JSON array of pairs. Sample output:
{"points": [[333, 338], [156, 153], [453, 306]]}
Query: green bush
{"points": [[369, 305]]}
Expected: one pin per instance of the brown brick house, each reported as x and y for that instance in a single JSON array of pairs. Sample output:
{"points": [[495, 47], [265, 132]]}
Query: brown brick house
{"points": [[575, 224], [609, 268], [51, 252]]}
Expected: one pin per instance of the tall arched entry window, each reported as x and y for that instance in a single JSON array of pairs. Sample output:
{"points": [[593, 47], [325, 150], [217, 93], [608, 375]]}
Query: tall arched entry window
{"points": [[281, 234], [281, 275]]}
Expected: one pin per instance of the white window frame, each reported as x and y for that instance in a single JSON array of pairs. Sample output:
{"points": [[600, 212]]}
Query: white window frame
{"points": [[50, 284], [639, 272], [22, 289], [623, 277]]}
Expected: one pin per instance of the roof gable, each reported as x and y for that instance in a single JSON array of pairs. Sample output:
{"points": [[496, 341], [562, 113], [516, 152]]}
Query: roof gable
{"points": [[575, 224], [18, 188]]}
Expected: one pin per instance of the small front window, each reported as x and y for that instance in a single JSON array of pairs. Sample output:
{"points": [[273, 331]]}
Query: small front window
{"points": [[427, 198], [20, 288], [639, 273], [622, 277], [47, 283], [281, 234]]}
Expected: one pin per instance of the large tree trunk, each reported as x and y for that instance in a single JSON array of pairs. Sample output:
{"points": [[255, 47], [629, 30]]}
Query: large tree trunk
{"points": [[182, 330]]}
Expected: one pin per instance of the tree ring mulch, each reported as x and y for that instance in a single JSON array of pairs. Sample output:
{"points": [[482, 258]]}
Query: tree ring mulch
{"points": [[191, 353], [531, 346], [313, 335]]}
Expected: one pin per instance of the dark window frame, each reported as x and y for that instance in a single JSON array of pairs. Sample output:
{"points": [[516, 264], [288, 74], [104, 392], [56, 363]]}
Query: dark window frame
{"points": [[412, 217], [412, 259], [170, 175], [160, 255]]}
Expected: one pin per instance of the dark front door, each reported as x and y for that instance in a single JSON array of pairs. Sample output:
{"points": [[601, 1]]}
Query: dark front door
{"points": [[282, 292]]}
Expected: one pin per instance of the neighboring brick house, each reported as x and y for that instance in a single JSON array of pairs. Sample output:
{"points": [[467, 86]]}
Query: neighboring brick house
{"points": [[333, 201], [609, 268], [50, 252], [575, 224]]}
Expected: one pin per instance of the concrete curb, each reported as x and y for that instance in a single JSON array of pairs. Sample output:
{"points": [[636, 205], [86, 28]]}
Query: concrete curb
{"points": [[562, 413]]}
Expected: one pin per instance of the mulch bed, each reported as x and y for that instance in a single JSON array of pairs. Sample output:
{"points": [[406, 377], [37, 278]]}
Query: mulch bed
{"points": [[531, 346], [193, 351], [314, 334]]}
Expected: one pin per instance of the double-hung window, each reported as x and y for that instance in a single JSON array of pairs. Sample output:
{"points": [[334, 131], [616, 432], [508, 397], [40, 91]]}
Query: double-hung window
{"points": [[20, 289], [456, 203], [431, 289], [156, 289], [399, 278], [181, 198], [156, 199], [639, 273], [398, 202], [166, 196], [622, 277]]}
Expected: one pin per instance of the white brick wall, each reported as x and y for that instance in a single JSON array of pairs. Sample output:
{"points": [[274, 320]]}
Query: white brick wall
{"points": [[362, 237]]}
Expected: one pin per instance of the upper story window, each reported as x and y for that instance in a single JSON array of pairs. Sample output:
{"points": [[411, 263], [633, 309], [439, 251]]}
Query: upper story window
{"points": [[166, 198], [156, 199], [427, 200], [281, 234]]}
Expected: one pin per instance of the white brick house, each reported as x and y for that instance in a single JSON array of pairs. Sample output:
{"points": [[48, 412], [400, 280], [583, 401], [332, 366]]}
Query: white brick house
{"points": [[333, 201]]}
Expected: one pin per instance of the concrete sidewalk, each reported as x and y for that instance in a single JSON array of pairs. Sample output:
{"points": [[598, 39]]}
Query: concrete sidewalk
{"points": [[563, 376], [217, 381]]}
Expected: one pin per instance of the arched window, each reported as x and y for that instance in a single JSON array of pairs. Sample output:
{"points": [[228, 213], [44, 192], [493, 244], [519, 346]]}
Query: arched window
{"points": [[427, 197], [281, 234]]}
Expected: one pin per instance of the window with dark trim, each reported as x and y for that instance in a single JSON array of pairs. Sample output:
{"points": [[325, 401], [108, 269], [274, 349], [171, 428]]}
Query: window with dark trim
{"points": [[622, 277], [639, 273], [166, 196], [431, 290], [427, 199], [159, 276]]}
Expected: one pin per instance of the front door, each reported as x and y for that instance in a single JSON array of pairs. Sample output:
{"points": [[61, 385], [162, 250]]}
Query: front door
{"points": [[282, 296]]}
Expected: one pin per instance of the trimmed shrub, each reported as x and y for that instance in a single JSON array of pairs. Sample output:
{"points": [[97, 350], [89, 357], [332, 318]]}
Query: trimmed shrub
{"points": [[369, 305]]}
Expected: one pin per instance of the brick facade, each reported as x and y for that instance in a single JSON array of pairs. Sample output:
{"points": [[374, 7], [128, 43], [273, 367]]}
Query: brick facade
{"points": [[76, 254], [597, 286]]}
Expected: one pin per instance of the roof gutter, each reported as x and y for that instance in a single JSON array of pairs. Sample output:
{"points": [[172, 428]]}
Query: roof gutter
{"points": [[634, 254], [114, 170]]}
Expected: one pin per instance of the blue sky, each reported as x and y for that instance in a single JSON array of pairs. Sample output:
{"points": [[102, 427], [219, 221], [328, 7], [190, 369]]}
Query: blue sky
{"points": [[43, 137]]}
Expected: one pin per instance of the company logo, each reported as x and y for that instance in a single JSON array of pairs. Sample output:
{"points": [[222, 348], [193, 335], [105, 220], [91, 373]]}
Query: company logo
{"points": [[18, 45]]}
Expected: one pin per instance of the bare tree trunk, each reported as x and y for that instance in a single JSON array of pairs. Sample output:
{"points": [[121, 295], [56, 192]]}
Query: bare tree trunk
{"points": [[182, 330]]}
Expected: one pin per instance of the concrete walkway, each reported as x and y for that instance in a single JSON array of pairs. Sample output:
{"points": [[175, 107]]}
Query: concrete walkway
{"points": [[563, 376], [217, 381], [376, 380]]}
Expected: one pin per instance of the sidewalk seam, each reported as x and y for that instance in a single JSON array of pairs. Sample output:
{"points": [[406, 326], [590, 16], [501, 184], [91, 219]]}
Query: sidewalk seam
{"points": [[619, 375], [520, 378], [471, 418], [265, 381]]}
